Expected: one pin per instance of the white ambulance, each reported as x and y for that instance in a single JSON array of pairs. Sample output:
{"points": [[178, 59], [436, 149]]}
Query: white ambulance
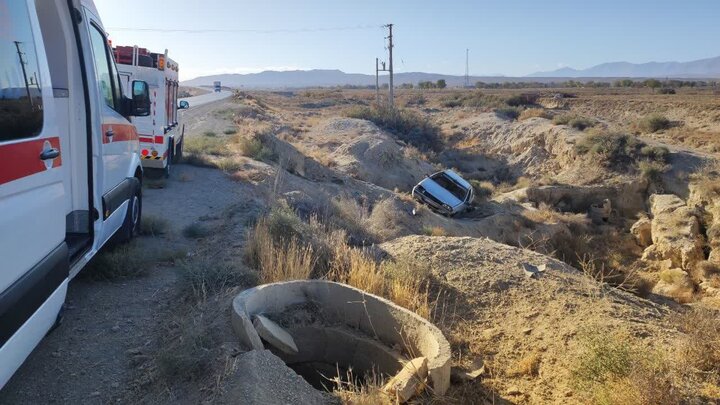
{"points": [[70, 172], [161, 136]]}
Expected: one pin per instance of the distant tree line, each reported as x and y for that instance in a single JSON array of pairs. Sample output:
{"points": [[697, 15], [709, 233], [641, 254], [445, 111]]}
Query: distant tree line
{"points": [[649, 83], [440, 84]]}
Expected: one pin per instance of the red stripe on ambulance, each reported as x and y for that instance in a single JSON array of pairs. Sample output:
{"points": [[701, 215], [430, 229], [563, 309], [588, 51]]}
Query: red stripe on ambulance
{"points": [[24, 158]]}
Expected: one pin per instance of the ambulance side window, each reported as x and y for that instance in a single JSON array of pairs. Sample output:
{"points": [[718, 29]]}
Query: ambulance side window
{"points": [[21, 104], [106, 78]]}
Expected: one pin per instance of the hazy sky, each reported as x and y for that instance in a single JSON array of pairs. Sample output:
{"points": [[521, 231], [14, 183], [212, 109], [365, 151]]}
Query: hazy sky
{"points": [[510, 37]]}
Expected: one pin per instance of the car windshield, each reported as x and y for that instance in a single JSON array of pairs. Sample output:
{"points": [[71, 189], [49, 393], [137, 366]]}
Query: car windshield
{"points": [[450, 185]]}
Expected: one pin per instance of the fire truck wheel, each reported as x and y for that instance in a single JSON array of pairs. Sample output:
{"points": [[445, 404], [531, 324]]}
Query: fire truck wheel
{"points": [[166, 170], [177, 157]]}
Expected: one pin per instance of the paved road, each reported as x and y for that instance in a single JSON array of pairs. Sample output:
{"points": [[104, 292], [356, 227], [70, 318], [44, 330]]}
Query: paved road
{"points": [[207, 98]]}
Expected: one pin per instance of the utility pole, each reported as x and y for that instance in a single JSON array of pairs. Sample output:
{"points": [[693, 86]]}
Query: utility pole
{"points": [[377, 81], [467, 68], [22, 65], [390, 61]]}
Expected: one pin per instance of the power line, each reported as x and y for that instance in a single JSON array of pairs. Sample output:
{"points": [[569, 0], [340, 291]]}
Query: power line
{"points": [[246, 31]]}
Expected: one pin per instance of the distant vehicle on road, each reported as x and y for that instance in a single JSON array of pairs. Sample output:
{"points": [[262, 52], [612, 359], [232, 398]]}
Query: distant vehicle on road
{"points": [[445, 192], [70, 172], [161, 135], [218, 87]]}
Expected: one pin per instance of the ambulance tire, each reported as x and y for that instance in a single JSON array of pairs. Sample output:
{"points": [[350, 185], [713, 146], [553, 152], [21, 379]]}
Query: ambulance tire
{"points": [[131, 226]]}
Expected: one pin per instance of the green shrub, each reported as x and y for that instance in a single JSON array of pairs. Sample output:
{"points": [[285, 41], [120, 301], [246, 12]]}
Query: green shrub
{"points": [[255, 149], [230, 131], [405, 124], [483, 189], [655, 153], [205, 145], [204, 276], [508, 113], [575, 121], [652, 170], [210, 134], [666, 90], [581, 123], [654, 123], [474, 99], [610, 147]]}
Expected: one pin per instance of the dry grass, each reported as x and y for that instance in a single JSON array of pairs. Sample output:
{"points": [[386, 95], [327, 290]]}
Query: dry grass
{"points": [[254, 148], [529, 365], [153, 225], [434, 231], [279, 260], [699, 350], [534, 113], [283, 247], [613, 368], [205, 145]]}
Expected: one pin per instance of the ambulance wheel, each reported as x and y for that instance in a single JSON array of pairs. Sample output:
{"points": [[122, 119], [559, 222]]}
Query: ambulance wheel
{"points": [[131, 226], [177, 157]]}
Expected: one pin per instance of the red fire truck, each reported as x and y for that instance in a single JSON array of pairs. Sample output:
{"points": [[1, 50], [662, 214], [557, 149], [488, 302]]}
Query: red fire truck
{"points": [[161, 135]]}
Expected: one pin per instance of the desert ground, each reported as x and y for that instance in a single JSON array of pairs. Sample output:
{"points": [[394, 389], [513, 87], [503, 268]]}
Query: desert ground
{"points": [[614, 192]]}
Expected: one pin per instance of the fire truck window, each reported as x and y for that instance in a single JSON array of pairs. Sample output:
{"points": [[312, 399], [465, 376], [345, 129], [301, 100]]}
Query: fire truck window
{"points": [[103, 69], [21, 104]]}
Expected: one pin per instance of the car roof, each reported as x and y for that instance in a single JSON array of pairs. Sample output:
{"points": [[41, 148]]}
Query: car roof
{"points": [[457, 178]]}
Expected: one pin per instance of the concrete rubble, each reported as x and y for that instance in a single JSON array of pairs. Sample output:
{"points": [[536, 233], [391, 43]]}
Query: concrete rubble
{"points": [[274, 334]]}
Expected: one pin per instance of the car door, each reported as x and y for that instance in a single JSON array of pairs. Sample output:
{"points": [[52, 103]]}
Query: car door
{"points": [[119, 136], [33, 187]]}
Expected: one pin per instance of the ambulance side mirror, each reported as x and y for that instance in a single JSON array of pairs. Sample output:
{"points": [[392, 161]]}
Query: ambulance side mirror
{"points": [[140, 103], [184, 105]]}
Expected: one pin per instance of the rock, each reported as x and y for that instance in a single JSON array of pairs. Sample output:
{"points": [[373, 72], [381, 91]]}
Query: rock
{"points": [[642, 231], [600, 212], [406, 383], [532, 271], [260, 377], [275, 335], [676, 284], [513, 391], [675, 232]]}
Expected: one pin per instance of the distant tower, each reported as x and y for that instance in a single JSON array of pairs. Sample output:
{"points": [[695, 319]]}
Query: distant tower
{"points": [[467, 67]]}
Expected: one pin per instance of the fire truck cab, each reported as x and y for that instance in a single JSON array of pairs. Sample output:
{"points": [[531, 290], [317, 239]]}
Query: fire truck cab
{"points": [[161, 136], [70, 172]]}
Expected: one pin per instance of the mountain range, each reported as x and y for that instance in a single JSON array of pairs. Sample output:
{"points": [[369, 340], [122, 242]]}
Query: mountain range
{"points": [[703, 68], [699, 69]]}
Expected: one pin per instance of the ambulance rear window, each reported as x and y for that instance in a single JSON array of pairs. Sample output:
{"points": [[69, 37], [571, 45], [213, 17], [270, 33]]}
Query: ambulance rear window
{"points": [[21, 107]]}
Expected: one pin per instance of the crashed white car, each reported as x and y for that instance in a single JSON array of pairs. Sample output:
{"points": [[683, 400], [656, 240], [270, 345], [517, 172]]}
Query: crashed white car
{"points": [[445, 192]]}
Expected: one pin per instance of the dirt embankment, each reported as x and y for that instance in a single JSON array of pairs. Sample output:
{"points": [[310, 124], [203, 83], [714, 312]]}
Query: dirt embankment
{"points": [[520, 321]]}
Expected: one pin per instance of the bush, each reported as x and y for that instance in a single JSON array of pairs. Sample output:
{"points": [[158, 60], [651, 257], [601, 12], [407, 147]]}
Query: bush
{"points": [[575, 121], [474, 99], [521, 100], [230, 131], [483, 189], [508, 113], [153, 226], [405, 124], [205, 145], [204, 276], [255, 149], [655, 153], [654, 123], [610, 147], [612, 369], [581, 123], [666, 90], [652, 171], [119, 263]]}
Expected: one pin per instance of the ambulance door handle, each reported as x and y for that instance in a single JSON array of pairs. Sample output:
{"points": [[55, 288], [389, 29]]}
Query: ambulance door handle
{"points": [[109, 133], [50, 154]]}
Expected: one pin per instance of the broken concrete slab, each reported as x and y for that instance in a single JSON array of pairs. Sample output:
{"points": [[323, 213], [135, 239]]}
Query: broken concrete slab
{"points": [[274, 334], [260, 377], [409, 381]]}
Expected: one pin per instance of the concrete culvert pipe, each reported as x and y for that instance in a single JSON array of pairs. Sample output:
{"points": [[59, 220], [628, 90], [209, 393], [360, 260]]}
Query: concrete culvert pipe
{"points": [[358, 330]]}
